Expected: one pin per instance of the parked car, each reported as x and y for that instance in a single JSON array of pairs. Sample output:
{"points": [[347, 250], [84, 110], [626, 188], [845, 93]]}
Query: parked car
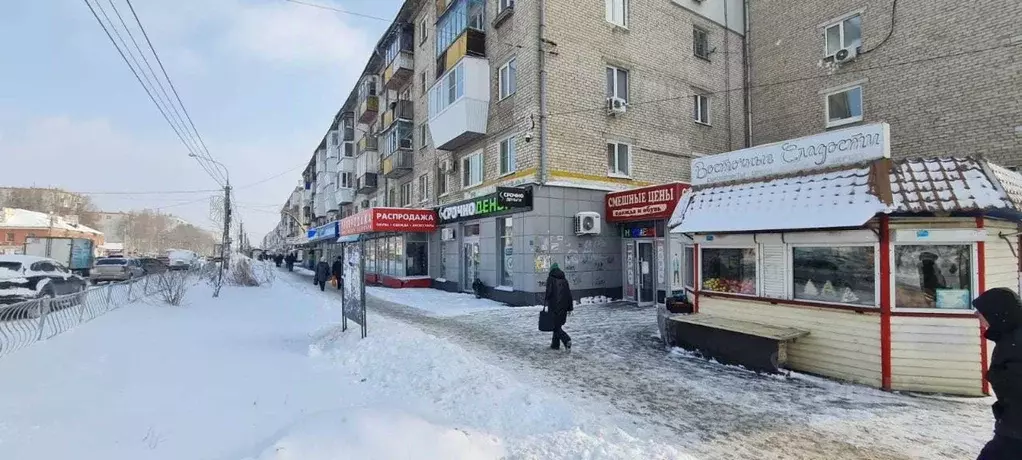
{"points": [[30, 277], [116, 269], [152, 265], [181, 259]]}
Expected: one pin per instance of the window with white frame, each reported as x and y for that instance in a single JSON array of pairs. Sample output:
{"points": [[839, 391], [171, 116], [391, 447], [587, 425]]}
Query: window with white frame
{"points": [[507, 78], [844, 106], [472, 170], [933, 276], [728, 270], [406, 194], [700, 43], [347, 179], [508, 156], [423, 187], [617, 83], [423, 135], [504, 4], [448, 90], [442, 184], [617, 12], [701, 104], [846, 33], [423, 31], [619, 159], [835, 274]]}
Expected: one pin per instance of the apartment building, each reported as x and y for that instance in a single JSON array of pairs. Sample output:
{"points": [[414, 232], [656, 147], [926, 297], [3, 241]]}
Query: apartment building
{"points": [[943, 74], [553, 104]]}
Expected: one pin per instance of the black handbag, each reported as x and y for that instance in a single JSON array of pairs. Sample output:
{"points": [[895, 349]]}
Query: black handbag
{"points": [[547, 320]]}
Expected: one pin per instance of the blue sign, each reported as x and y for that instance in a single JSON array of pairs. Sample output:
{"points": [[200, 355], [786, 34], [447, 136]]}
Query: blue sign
{"points": [[325, 231], [312, 233], [923, 234], [709, 237]]}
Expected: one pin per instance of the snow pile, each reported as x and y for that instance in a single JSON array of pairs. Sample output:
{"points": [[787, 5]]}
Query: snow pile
{"points": [[434, 301], [23, 218], [594, 300], [370, 434]]}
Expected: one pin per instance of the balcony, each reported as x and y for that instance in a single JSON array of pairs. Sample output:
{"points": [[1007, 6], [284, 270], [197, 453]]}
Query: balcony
{"points": [[472, 42], [366, 183], [458, 121], [345, 196], [398, 164], [398, 110], [400, 71], [368, 109], [346, 164], [367, 143]]}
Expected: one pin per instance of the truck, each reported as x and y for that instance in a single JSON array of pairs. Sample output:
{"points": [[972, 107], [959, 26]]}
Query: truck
{"points": [[182, 259], [77, 254]]}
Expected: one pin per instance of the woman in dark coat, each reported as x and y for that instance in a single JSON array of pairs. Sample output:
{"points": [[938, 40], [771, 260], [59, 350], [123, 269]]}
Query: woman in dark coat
{"points": [[322, 274], [560, 303], [338, 270], [1002, 311]]}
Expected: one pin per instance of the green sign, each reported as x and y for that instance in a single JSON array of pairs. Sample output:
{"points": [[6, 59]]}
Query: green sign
{"points": [[484, 206]]}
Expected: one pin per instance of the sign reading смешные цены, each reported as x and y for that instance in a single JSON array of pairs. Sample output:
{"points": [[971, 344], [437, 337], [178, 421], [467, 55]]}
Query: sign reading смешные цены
{"points": [[833, 148]]}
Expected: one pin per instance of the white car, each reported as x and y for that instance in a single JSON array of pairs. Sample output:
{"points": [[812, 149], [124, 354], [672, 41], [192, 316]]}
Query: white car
{"points": [[29, 277]]}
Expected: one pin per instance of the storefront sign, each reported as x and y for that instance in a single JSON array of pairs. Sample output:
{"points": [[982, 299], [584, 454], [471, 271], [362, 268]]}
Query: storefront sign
{"points": [[389, 220], [647, 203], [323, 232], [484, 206], [833, 148], [514, 197], [638, 232]]}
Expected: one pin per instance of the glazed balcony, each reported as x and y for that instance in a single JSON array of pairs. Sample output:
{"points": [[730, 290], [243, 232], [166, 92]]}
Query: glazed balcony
{"points": [[368, 143], [459, 117], [399, 58], [368, 109], [366, 183], [398, 111], [345, 196], [398, 164]]}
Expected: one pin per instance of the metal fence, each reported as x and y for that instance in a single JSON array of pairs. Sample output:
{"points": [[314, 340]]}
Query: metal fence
{"points": [[25, 323]]}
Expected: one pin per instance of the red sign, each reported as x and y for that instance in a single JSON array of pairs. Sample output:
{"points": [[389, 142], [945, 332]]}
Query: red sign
{"points": [[389, 220], [656, 202]]}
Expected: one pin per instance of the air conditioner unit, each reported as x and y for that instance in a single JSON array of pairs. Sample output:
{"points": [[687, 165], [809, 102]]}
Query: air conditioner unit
{"points": [[587, 223], [845, 54], [446, 165], [616, 105]]}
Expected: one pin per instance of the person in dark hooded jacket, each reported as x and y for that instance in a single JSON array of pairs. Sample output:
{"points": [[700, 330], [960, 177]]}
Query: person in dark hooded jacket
{"points": [[338, 270], [1002, 311], [322, 274], [560, 303]]}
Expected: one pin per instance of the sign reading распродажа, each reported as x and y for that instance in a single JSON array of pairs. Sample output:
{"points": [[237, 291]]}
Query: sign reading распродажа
{"points": [[504, 201], [833, 148]]}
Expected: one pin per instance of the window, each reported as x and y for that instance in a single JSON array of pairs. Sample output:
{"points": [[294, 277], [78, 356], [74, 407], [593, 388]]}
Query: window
{"points": [[702, 109], [933, 276], [844, 106], [506, 252], [617, 12], [700, 43], [441, 183], [423, 187], [729, 270], [423, 31], [449, 89], [835, 274], [507, 79], [507, 156], [10, 237], [617, 83], [406, 194], [618, 159], [461, 15], [422, 82], [504, 4], [333, 137], [423, 133], [347, 179], [844, 34], [690, 269], [349, 149], [398, 138], [472, 170]]}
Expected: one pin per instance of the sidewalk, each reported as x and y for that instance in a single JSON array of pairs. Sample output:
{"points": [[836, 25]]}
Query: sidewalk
{"points": [[721, 411]]}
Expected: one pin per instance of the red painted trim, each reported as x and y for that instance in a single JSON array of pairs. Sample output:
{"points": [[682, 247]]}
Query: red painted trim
{"points": [[885, 302], [981, 271], [696, 278], [791, 303]]}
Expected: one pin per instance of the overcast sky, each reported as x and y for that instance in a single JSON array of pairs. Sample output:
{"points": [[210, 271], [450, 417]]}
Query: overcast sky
{"points": [[261, 79]]}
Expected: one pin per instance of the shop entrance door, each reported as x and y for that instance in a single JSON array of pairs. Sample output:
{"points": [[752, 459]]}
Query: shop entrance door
{"points": [[469, 262], [646, 292]]}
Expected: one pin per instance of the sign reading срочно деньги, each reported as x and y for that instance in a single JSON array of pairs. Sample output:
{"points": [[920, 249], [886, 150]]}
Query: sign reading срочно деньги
{"points": [[833, 148]]}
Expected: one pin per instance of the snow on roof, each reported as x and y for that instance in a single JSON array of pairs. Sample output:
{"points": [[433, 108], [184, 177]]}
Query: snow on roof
{"points": [[23, 218], [24, 260], [849, 197]]}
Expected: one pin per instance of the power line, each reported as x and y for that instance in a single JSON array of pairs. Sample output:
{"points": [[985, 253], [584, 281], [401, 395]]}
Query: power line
{"points": [[273, 176], [162, 192], [170, 83], [339, 10]]}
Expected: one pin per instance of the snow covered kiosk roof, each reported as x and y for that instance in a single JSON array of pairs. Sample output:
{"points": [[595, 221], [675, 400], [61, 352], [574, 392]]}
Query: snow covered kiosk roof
{"points": [[851, 196]]}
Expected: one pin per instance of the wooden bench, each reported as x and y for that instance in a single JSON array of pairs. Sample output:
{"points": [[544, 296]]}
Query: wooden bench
{"points": [[759, 347]]}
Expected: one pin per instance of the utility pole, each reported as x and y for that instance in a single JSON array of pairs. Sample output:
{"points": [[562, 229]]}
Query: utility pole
{"points": [[226, 241]]}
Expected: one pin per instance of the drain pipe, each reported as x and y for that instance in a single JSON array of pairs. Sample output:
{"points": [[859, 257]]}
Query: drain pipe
{"points": [[542, 173], [748, 78]]}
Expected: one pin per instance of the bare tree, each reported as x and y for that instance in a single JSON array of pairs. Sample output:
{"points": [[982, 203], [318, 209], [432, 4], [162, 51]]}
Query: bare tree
{"points": [[172, 285]]}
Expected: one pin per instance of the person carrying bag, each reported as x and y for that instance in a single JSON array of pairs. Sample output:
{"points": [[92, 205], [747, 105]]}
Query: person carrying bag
{"points": [[558, 304]]}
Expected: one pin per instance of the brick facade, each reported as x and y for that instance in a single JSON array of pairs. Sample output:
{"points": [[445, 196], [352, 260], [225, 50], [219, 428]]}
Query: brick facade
{"points": [[948, 79], [13, 239]]}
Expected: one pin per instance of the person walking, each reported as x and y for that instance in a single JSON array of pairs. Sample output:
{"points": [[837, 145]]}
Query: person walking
{"points": [[1001, 309], [560, 303], [289, 260], [322, 274], [338, 270]]}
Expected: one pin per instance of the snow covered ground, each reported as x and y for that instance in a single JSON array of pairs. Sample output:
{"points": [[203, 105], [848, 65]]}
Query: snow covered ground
{"points": [[435, 302], [265, 374]]}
